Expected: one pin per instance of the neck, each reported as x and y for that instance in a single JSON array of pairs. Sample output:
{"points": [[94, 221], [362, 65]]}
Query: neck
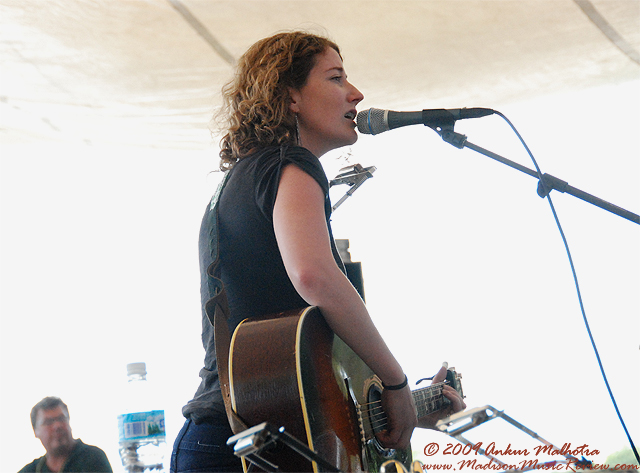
{"points": [[429, 399]]}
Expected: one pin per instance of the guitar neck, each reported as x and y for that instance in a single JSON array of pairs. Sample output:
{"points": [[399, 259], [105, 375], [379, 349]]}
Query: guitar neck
{"points": [[429, 399]]}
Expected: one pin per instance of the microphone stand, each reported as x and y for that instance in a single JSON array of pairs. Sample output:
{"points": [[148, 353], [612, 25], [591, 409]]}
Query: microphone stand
{"points": [[354, 176], [546, 183]]}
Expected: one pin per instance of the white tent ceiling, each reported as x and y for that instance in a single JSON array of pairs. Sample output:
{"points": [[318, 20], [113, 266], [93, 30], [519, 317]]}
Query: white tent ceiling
{"points": [[105, 107], [147, 72]]}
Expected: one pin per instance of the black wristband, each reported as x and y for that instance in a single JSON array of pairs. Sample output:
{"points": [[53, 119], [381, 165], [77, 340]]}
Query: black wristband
{"points": [[397, 387]]}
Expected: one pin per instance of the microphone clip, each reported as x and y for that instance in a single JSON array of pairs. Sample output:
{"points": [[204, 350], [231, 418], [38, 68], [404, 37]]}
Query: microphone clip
{"points": [[443, 123], [439, 119]]}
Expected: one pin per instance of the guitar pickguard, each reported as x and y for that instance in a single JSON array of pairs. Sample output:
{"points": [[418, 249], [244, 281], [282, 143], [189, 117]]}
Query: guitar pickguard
{"points": [[364, 392]]}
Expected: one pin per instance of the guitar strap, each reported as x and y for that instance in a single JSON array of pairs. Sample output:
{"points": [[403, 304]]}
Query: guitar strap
{"points": [[217, 310]]}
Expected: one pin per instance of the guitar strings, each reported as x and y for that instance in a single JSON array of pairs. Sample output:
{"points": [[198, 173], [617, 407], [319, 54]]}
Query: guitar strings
{"points": [[432, 395], [433, 391]]}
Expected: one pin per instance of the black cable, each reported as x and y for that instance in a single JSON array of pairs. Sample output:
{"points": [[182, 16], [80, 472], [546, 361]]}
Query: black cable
{"points": [[575, 279]]}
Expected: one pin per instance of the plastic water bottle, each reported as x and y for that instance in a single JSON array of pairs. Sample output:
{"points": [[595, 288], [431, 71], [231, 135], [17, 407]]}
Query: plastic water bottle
{"points": [[141, 428]]}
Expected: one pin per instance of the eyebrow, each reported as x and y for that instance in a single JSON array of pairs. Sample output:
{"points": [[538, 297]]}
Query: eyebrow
{"points": [[336, 68]]}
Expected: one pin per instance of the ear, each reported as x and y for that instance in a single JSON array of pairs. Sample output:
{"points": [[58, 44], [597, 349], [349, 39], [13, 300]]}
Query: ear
{"points": [[295, 97]]}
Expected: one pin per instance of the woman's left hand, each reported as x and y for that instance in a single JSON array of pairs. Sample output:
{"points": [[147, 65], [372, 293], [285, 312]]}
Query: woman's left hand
{"points": [[457, 403]]}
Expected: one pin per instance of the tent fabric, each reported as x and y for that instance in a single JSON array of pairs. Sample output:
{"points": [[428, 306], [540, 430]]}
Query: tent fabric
{"points": [[106, 166], [148, 72]]}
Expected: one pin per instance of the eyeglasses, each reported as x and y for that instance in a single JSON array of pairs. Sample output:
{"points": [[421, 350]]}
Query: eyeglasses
{"points": [[52, 420]]}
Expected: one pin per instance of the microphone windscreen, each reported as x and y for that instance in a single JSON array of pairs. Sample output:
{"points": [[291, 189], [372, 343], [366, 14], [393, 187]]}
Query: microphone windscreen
{"points": [[372, 121]]}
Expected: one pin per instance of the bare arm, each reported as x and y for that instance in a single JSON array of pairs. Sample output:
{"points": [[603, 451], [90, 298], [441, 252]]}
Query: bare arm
{"points": [[304, 243]]}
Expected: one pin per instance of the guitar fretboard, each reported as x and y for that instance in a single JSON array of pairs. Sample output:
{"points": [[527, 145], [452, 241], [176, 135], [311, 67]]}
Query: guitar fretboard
{"points": [[429, 399]]}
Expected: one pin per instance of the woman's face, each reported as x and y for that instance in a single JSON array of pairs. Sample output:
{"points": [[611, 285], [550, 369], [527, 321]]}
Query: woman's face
{"points": [[326, 106]]}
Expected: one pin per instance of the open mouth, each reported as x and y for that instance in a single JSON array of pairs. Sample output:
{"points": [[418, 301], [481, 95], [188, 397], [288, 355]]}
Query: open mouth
{"points": [[350, 115]]}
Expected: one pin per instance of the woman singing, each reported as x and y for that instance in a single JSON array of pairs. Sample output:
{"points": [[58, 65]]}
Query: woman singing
{"points": [[289, 103]]}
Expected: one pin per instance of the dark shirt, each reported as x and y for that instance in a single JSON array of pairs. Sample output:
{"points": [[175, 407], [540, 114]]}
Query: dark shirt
{"points": [[83, 459], [251, 266]]}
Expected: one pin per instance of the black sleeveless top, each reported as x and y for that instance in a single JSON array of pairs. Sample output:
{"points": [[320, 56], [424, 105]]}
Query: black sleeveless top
{"points": [[250, 264]]}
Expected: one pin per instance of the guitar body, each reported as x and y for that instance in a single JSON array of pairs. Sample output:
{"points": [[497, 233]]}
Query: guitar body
{"points": [[291, 371]]}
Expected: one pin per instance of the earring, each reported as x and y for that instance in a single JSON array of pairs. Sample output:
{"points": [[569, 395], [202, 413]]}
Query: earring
{"points": [[298, 139]]}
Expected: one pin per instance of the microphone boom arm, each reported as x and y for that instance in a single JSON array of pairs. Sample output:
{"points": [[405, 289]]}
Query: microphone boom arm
{"points": [[546, 183]]}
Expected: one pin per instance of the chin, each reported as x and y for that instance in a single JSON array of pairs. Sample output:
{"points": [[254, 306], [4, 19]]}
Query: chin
{"points": [[351, 139], [341, 143]]}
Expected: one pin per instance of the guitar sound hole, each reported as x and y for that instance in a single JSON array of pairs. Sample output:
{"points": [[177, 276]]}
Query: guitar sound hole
{"points": [[376, 415], [377, 419]]}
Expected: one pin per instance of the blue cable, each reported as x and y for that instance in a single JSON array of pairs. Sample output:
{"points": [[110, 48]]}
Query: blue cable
{"points": [[575, 279]]}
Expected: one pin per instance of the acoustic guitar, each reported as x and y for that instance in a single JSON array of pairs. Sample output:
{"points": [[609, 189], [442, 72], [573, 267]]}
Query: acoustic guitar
{"points": [[292, 371]]}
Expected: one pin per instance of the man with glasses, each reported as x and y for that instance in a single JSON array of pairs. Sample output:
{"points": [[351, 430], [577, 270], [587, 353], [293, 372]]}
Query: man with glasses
{"points": [[50, 421]]}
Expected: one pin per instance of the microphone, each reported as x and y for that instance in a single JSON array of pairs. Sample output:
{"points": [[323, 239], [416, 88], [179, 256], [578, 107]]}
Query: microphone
{"points": [[374, 120]]}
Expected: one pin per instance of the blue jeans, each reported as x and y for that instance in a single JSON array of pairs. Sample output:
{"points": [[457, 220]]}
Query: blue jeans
{"points": [[202, 448]]}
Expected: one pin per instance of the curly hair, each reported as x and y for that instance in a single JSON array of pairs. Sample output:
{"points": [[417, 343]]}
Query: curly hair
{"points": [[256, 102]]}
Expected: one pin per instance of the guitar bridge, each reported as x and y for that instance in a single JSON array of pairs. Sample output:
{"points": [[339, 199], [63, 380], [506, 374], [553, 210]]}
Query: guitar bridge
{"points": [[358, 408]]}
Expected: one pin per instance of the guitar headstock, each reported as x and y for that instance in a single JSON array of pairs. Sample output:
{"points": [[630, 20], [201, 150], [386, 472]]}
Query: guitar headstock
{"points": [[453, 379]]}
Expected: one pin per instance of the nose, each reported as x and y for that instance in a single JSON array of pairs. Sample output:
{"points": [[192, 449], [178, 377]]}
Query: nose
{"points": [[356, 95], [58, 424]]}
